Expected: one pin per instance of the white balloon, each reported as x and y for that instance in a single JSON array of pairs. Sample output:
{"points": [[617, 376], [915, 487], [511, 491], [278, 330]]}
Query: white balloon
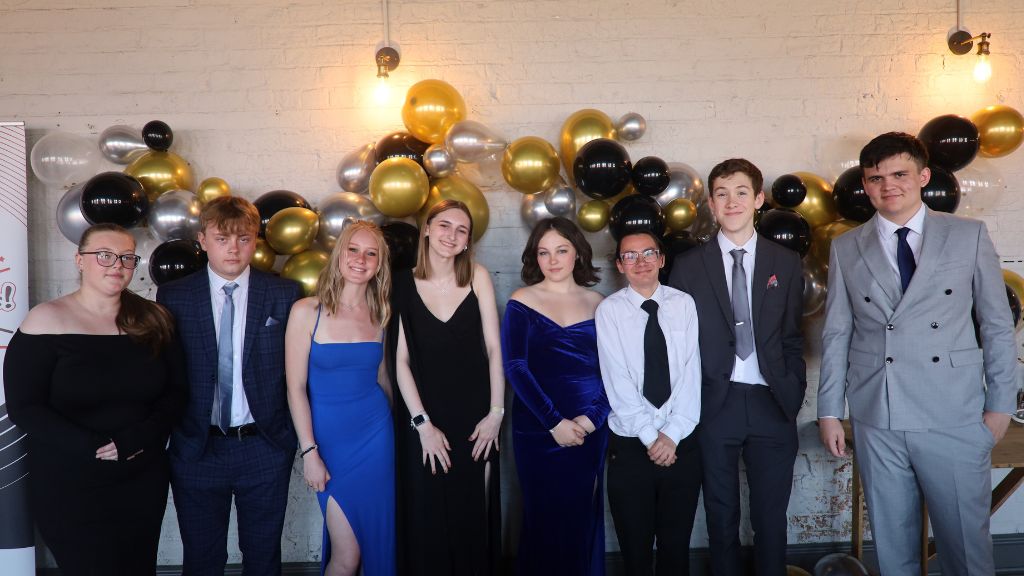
{"points": [[981, 188], [63, 159], [145, 243]]}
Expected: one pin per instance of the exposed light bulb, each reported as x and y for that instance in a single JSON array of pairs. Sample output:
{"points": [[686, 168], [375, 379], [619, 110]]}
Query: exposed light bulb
{"points": [[982, 69], [382, 93]]}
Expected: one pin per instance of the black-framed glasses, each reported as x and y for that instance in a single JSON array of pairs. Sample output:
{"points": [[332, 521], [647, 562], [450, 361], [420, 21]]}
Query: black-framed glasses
{"points": [[107, 258], [632, 257]]}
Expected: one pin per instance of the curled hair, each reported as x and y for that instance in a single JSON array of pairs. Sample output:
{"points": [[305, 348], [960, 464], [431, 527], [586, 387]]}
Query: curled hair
{"points": [[145, 322], [893, 144], [231, 215], [727, 168], [463, 260], [378, 290], [583, 271]]}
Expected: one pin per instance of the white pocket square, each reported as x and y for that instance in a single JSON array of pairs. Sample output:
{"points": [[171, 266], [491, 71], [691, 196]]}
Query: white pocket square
{"points": [[271, 321]]}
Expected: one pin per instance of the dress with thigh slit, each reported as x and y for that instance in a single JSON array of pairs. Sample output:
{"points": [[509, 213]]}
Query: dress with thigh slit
{"points": [[355, 438]]}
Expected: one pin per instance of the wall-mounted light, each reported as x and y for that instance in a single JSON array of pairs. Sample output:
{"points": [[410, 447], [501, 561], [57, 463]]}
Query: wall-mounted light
{"points": [[961, 42], [387, 59]]}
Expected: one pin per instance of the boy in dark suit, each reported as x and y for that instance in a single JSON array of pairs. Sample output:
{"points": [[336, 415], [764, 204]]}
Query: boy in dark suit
{"points": [[749, 297], [236, 438]]}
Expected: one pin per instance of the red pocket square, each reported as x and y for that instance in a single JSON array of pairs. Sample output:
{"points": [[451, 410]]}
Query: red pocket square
{"points": [[773, 282]]}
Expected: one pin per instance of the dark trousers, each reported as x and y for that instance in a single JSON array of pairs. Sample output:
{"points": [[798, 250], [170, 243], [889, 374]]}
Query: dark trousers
{"points": [[653, 504], [257, 473], [752, 426]]}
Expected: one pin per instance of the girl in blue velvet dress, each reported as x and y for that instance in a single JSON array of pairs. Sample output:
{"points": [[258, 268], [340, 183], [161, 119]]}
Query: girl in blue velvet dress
{"points": [[558, 419], [346, 438]]}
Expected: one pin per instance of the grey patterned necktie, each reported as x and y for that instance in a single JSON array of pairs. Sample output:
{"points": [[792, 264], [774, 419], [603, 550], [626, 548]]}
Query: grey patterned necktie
{"points": [[741, 306], [225, 360]]}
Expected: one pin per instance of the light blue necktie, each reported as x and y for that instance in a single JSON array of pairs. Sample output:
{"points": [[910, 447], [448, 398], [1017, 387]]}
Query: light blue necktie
{"points": [[225, 359]]}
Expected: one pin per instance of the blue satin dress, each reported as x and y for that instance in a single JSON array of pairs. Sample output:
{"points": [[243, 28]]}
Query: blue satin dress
{"points": [[555, 374], [353, 429]]}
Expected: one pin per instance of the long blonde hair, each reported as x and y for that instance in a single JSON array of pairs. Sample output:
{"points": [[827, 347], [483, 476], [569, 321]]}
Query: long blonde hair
{"points": [[463, 261], [378, 290]]}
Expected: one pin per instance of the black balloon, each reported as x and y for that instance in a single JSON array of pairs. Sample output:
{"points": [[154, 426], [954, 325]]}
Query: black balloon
{"points": [[650, 175], [942, 192], [157, 135], [403, 240], [400, 145], [852, 200], [952, 141], [273, 202], [602, 169], [789, 191], [636, 213], [786, 228], [114, 198], [1015, 306], [175, 259], [675, 245], [840, 564]]}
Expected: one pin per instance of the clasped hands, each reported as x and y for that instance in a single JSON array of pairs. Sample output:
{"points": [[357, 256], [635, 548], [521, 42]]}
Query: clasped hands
{"points": [[572, 432]]}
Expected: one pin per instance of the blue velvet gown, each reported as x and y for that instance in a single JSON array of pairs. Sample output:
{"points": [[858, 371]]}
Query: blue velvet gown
{"points": [[555, 374], [352, 426]]}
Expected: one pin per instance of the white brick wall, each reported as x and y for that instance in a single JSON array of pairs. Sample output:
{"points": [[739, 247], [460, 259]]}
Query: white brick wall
{"points": [[271, 94]]}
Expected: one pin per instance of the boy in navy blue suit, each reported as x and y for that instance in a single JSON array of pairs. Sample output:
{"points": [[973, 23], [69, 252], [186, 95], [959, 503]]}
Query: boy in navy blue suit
{"points": [[236, 438]]}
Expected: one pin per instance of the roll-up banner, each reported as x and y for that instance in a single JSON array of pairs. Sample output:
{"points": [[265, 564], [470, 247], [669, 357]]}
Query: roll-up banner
{"points": [[17, 553]]}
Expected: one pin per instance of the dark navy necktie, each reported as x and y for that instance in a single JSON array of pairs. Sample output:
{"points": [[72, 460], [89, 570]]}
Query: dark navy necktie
{"points": [[657, 388], [904, 258]]}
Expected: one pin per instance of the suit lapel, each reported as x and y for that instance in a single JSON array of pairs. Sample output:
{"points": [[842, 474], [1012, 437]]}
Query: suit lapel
{"points": [[204, 307], [712, 255], [933, 243], [253, 314], [764, 262], [873, 255]]}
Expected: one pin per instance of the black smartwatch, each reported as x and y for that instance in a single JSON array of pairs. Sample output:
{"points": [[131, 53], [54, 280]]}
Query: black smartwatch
{"points": [[419, 420]]}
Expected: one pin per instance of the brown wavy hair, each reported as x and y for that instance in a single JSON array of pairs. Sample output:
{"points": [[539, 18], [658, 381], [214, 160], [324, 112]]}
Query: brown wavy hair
{"points": [[463, 261], [378, 291], [584, 273], [145, 322]]}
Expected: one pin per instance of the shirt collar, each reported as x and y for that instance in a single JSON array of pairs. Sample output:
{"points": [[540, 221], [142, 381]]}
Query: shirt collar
{"points": [[636, 299], [727, 245], [217, 283], [916, 223]]}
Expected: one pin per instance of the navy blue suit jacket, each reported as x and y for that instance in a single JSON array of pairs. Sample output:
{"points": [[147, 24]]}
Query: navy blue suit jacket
{"points": [[269, 301], [777, 306]]}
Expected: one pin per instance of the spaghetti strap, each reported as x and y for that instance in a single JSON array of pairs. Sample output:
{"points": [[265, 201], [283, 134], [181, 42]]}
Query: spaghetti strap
{"points": [[319, 307]]}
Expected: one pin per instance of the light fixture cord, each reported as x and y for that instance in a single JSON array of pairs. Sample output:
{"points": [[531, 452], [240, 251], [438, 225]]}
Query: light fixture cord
{"points": [[958, 27], [387, 23]]}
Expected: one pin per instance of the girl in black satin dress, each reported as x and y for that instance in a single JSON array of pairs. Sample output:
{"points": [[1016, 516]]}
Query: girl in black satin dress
{"points": [[451, 404], [94, 380]]}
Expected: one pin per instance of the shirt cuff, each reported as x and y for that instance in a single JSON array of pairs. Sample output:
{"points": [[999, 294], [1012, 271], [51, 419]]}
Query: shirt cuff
{"points": [[648, 434], [832, 417], [674, 433]]}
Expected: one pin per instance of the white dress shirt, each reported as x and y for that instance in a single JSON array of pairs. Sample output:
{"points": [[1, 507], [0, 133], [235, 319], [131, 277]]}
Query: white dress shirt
{"points": [[887, 235], [746, 370], [620, 345], [240, 413]]}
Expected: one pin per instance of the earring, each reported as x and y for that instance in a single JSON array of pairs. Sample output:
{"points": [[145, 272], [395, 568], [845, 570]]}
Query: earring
{"points": [[465, 248]]}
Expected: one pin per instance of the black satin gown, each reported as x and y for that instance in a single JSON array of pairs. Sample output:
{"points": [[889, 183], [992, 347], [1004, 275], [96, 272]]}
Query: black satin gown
{"points": [[555, 374]]}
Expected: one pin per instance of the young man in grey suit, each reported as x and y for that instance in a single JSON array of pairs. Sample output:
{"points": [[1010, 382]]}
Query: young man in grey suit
{"points": [[749, 297], [930, 386]]}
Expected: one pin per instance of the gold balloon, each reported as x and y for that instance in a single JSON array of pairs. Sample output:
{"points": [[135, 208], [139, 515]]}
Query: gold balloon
{"points": [[818, 208], [1001, 129], [593, 215], [629, 190], [264, 257], [305, 268], [292, 230], [458, 188], [822, 237], [161, 172], [212, 188], [430, 109], [530, 165], [1014, 282], [578, 129], [399, 187], [679, 215], [796, 571]]}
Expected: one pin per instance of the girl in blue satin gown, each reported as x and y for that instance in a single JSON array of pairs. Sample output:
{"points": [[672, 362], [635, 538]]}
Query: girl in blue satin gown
{"points": [[559, 433], [343, 422]]}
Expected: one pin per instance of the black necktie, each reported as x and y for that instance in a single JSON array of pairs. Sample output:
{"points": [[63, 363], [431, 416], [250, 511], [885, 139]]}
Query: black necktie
{"points": [[656, 379], [904, 258]]}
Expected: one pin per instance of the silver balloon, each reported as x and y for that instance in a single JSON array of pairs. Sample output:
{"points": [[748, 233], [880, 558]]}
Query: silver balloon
{"points": [[560, 199], [438, 161], [122, 144], [631, 126], [355, 168], [471, 141], [175, 215], [339, 210], [815, 291], [70, 220], [533, 209], [683, 182], [145, 243]]}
